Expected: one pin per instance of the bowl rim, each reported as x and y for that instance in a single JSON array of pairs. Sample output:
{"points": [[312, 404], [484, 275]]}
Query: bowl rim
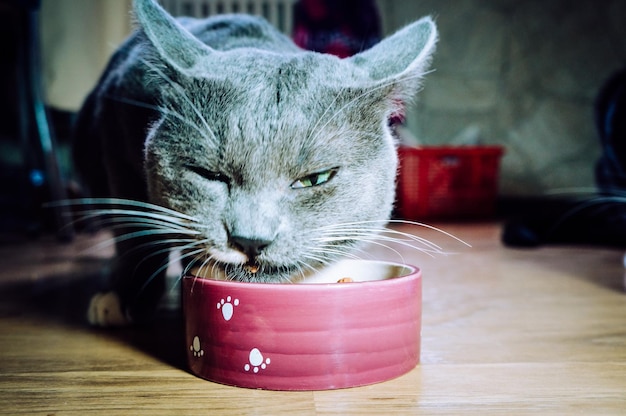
{"points": [[412, 272]]}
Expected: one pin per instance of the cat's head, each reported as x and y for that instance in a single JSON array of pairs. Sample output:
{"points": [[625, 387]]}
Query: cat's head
{"points": [[285, 158]]}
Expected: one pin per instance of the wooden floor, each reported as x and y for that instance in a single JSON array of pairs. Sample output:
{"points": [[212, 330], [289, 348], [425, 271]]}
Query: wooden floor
{"points": [[504, 332]]}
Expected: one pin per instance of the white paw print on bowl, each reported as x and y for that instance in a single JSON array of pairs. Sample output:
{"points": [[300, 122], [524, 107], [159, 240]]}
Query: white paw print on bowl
{"points": [[256, 361], [227, 306], [196, 348]]}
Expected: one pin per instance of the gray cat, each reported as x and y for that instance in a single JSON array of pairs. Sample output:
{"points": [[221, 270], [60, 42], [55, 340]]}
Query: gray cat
{"points": [[259, 160]]}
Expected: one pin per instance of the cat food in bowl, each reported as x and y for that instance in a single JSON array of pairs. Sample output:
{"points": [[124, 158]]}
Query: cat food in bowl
{"points": [[315, 335]]}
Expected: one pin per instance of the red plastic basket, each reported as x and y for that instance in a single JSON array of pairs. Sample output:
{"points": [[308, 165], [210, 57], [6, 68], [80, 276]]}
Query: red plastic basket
{"points": [[447, 182]]}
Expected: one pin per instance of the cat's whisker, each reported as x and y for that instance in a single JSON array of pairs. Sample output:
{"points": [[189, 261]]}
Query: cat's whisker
{"points": [[287, 273], [193, 255], [203, 269], [382, 227], [385, 246], [188, 248], [324, 256], [330, 250], [300, 273], [209, 262], [149, 221], [408, 240], [301, 264], [118, 218], [191, 265], [122, 224], [163, 218], [204, 262], [327, 249], [121, 232], [151, 217], [130, 224], [167, 264], [381, 240], [108, 218], [130, 236], [366, 235], [377, 233], [188, 267], [168, 243], [113, 202], [359, 252]]}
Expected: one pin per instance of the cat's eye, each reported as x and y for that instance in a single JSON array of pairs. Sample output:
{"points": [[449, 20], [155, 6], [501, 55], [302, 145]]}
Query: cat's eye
{"points": [[315, 179], [208, 174]]}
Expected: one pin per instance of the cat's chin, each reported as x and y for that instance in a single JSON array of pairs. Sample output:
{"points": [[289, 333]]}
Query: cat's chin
{"points": [[248, 273]]}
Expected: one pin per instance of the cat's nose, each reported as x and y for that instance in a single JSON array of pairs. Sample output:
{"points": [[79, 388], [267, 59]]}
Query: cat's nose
{"points": [[251, 247]]}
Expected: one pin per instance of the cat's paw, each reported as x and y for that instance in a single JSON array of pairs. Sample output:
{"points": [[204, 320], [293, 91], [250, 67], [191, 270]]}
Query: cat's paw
{"points": [[105, 310]]}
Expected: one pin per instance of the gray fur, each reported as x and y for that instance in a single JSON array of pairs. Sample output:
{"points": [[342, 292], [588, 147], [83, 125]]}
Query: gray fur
{"points": [[219, 118]]}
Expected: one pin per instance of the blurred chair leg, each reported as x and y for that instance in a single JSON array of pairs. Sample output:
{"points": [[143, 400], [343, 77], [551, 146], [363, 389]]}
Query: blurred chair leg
{"points": [[45, 141]]}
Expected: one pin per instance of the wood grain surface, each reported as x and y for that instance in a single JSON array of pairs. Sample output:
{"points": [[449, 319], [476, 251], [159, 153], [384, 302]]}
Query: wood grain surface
{"points": [[505, 331]]}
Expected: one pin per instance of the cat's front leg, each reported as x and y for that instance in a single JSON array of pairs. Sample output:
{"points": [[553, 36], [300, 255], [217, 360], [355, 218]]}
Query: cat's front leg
{"points": [[138, 284], [105, 310]]}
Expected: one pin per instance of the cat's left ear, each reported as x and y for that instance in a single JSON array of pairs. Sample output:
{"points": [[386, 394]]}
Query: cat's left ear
{"points": [[402, 58], [174, 43]]}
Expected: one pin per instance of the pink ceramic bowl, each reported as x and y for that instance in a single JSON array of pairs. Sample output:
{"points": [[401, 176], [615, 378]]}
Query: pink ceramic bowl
{"points": [[306, 336]]}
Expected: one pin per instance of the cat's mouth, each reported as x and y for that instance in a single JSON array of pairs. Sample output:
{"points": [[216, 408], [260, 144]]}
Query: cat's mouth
{"points": [[251, 267], [249, 272]]}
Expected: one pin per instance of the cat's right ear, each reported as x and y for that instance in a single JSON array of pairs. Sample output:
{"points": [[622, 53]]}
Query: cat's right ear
{"points": [[174, 43], [402, 58]]}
